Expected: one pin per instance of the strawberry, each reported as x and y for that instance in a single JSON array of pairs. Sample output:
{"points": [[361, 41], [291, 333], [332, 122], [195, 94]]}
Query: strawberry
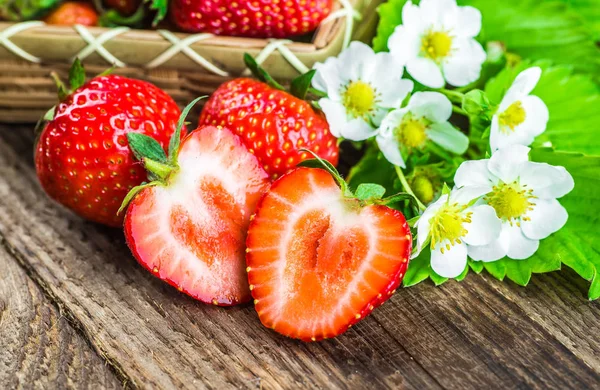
{"points": [[248, 18], [272, 123], [82, 157], [73, 12], [319, 259], [189, 226]]}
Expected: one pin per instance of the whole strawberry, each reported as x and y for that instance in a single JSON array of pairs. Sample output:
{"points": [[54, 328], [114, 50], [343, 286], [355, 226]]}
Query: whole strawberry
{"points": [[249, 18], [272, 123], [82, 156], [73, 12]]}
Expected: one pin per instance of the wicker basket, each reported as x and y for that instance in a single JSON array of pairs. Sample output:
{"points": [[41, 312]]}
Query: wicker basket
{"points": [[26, 90]]}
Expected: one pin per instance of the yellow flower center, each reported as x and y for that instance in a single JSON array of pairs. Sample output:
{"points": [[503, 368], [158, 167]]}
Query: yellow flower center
{"points": [[513, 116], [448, 225], [423, 188], [411, 132], [359, 98], [436, 45], [511, 201]]}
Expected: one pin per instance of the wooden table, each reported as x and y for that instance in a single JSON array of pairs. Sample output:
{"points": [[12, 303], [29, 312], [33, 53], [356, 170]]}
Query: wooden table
{"points": [[76, 310]]}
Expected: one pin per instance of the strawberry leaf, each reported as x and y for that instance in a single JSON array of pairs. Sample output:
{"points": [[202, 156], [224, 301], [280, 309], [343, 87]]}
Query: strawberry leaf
{"points": [[260, 73], [301, 84], [76, 75], [161, 7], [369, 191], [145, 147]]}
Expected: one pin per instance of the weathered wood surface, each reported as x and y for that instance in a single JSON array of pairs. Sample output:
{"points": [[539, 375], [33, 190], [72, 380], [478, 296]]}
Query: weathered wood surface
{"points": [[474, 334], [38, 347]]}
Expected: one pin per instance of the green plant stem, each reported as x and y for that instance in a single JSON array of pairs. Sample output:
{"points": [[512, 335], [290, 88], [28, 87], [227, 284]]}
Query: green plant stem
{"points": [[406, 186], [459, 110], [454, 96]]}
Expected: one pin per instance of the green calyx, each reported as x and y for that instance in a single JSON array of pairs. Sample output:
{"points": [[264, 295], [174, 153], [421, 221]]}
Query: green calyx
{"points": [[160, 166], [365, 193]]}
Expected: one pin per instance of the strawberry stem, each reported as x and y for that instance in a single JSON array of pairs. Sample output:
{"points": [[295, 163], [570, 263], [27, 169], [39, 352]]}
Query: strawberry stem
{"points": [[159, 171]]}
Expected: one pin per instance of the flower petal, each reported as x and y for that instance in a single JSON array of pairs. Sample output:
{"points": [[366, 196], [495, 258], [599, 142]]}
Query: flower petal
{"points": [[508, 162], [452, 262], [448, 137], [328, 78], [433, 12], [465, 195], [475, 173], [335, 114], [547, 181], [493, 251], [432, 105], [524, 83], [404, 44], [536, 116], [392, 92], [411, 17], [485, 226], [464, 65], [519, 246], [426, 72], [423, 226], [468, 22], [500, 139], [391, 150], [548, 216], [357, 130]]}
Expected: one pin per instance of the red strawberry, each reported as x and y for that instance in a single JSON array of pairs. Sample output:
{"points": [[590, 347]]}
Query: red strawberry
{"points": [[320, 260], [190, 230], [73, 12], [82, 157], [249, 18], [272, 123]]}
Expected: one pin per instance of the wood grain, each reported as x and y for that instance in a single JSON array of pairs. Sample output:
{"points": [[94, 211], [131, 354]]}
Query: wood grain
{"points": [[474, 334], [38, 347]]}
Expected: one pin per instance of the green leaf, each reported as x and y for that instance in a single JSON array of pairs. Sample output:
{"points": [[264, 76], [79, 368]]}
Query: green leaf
{"points": [[590, 11], [437, 279], [476, 266], [20, 10], [594, 292], [572, 101], [496, 268], [63, 91], [144, 146], [176, 136], [519, 272], [539, 30], [76, 75], [260, 73], [161, 7], [369, 191], [463, 275], [418, 269], [301, 84]]}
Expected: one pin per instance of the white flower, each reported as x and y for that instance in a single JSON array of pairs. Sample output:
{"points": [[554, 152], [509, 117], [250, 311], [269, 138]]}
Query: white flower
{"points": [[436, 43], [424, 118], [455, 228], [361, 88], [520, 117], [523, 193]]}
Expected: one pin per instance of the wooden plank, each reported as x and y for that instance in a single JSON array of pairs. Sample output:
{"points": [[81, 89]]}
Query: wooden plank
{"points": [[38, 347], [472, 334], [158, 337]]}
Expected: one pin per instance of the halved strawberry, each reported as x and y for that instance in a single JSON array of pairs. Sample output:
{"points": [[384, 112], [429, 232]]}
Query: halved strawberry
{"points": [[319, 259], [189, 227]]}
